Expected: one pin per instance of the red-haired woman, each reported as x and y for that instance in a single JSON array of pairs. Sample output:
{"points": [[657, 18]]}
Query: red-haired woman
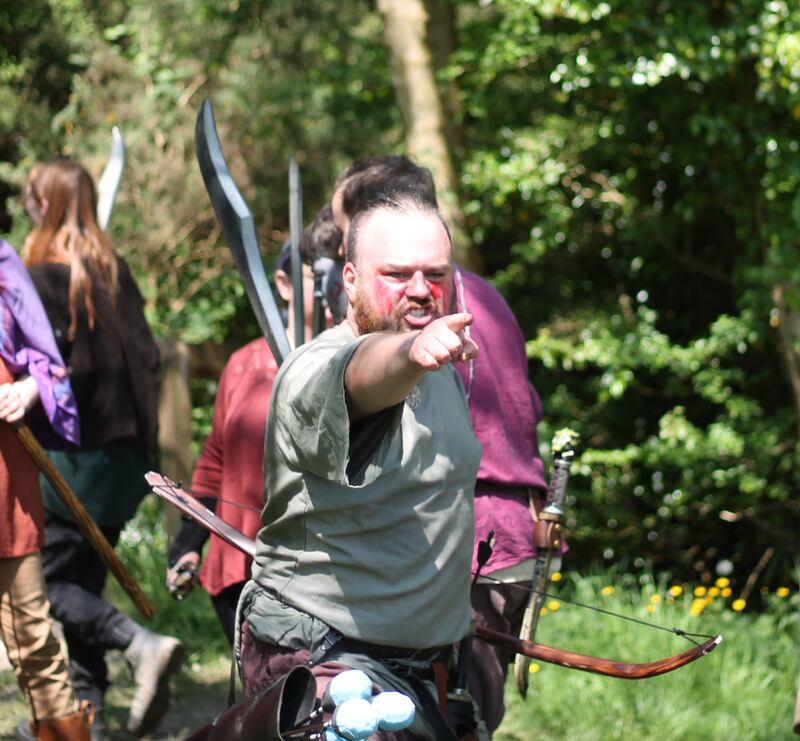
{"points": [[97, 315]]}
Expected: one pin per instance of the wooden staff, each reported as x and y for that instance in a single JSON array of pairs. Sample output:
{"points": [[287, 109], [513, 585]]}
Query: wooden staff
{"points": [[87, 525]]}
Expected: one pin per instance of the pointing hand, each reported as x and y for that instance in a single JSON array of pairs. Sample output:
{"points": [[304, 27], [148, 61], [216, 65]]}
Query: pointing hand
{"points": [[443, 341]]}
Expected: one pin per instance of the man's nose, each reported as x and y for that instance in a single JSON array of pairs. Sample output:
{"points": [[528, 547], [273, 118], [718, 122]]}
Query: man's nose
{"points": [[417, 287]]}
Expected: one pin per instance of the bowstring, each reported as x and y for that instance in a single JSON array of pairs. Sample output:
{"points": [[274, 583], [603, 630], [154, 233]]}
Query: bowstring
{"points": [[178, 488], [688, 635]]}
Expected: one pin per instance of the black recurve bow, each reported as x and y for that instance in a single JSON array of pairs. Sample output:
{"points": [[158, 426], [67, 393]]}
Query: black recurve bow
{"points": [[238, 226]]}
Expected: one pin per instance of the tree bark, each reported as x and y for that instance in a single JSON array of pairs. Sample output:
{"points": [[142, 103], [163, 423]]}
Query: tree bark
{"points": [[405, 34], [788, 329], [442, 42], [174, 418]]}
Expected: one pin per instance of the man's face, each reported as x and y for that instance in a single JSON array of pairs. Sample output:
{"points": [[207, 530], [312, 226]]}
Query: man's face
{"points": [[403, 277], [283, 282]]}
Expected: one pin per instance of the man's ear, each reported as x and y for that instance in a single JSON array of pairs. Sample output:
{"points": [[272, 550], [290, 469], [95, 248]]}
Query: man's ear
{"points": [[350, 280], [283, 283]]}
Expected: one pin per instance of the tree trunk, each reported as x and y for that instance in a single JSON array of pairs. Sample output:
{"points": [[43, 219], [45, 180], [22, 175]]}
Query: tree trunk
{"points": [[174, 418], [788, 329], [405, 33], [442, 42]]}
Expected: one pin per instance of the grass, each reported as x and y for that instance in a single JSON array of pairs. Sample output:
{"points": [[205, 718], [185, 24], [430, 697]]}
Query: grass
{"points": [[745, 690]]}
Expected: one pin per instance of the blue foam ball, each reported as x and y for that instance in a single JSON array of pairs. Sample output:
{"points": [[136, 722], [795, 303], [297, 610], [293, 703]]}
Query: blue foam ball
{"points": [[395, 710], [355, 719], [349, 684]]}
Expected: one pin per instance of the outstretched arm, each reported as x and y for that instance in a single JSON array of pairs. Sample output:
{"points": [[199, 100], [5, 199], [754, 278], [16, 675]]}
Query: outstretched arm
{"points": [[387, 365]]}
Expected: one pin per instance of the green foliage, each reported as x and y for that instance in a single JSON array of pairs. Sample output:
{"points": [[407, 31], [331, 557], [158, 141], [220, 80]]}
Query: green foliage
{"points": [[630, 173], [310, 79], [637, 197], [143, 549]]}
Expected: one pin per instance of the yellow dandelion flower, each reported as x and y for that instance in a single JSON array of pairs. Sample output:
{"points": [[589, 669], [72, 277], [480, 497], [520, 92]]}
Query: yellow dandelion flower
{"points": [[543, 612], [723, 582], [700, 591], [655, 598], [782, 592], [713, 592], [738, 605], [553, 605], [606, 591], [649, 608], [676, 590], [727, 592], [698, 605], [556, 576], [533, 668]]}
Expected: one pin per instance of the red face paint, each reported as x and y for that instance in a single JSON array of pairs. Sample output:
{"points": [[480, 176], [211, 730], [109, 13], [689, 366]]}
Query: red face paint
{"points": [[438, 292], [387, 295]]}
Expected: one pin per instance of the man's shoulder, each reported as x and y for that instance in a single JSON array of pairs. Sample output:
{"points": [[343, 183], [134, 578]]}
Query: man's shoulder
{"points": [[320, 349], [307, 370], [480, 292], [493, 317]]}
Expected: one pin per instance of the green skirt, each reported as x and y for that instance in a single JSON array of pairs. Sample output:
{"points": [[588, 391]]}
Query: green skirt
{"points": [[109, 482]]}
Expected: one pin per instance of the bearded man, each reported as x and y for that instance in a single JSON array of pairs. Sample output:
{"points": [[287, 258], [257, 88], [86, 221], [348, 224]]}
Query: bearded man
{"points": [[363, 560]]}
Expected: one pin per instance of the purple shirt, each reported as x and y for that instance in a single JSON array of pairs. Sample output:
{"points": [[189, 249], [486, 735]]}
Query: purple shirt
{"points": [[505, 410], [27, 346]]}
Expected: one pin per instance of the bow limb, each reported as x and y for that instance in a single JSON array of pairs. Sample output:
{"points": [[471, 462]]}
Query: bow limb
{"points": [[608, 667], [547, 539]]}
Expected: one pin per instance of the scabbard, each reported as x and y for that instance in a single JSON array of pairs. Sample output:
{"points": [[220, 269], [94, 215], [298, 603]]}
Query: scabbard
{"points": [[87, 525], [531, 618]]}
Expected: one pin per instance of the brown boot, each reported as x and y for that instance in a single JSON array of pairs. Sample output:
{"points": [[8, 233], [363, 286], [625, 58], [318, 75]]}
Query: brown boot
{"points": [[73, 727]]}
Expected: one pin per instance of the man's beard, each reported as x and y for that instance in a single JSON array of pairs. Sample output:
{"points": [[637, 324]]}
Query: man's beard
{"points": [[368, 320]]}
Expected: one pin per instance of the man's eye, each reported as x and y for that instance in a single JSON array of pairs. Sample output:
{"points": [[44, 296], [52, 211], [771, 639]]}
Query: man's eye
{"points": [[398, 276], [434, 277]]}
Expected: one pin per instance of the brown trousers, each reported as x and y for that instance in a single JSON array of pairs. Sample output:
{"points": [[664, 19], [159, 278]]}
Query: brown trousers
{"points": [[27, 632], [500, 607]]}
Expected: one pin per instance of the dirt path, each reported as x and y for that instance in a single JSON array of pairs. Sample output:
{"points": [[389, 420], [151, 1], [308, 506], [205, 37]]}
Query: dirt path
{"points": [[199, 693]]}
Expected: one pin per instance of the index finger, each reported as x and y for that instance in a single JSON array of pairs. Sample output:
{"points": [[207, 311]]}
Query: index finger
{"points": [[457, 322]]}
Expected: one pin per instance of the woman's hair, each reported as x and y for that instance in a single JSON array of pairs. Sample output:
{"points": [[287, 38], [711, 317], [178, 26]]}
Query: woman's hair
{"points": [[67, 232]]}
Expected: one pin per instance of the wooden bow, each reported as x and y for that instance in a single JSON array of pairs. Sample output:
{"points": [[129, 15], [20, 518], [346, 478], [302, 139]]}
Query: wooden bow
{"points": [[87, 525], [593, 664], [194, 509]]}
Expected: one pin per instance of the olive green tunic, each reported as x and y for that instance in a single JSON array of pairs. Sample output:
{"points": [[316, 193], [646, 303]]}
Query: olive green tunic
{"points": [[367, 527]]}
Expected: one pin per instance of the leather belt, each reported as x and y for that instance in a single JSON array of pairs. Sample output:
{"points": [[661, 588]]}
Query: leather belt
{"points": [[380, 651], [488, 487]]}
